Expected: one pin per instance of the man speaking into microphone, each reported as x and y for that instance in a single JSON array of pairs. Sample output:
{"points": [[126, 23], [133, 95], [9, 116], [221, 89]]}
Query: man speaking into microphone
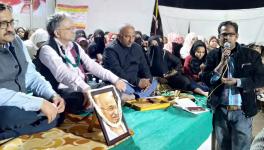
{"points": [[232, 72]]}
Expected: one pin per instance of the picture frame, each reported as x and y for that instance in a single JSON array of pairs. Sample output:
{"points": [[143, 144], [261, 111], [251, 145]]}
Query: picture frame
{"points": [[108, 109]]}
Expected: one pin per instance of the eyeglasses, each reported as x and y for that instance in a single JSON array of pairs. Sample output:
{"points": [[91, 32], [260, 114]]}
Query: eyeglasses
{"points": [[21, 31], [110, 108], [69, 29], [5, 24], [227, 34]]}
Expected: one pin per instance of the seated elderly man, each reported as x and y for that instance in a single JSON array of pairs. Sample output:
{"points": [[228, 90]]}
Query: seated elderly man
{"points": [[64, 63], [126, 59], [21, 113]]}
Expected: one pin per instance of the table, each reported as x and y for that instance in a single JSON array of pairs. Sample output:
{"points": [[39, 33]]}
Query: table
{"points": [[154, 130], [166, 129]]}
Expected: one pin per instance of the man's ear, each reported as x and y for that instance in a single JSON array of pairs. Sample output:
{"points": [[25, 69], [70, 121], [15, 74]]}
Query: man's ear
{"points": [[56, 33], [119, 36], [237, 35]]}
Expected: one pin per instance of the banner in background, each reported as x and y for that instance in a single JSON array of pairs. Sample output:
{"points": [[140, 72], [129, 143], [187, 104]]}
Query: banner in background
{"points": [[109, 15], [78, 13], [23, 6]]}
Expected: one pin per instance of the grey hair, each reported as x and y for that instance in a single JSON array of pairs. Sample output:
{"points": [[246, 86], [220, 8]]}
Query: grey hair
{"points": [[5, 7], [54, 22], [125, 26]]}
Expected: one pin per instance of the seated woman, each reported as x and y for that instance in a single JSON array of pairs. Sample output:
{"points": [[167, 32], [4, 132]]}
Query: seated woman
{"points": [[36, 40], [166, 65], [194, 65], [188, 42], [96, 48], [260, 49], [212, 43], [83, 42]]}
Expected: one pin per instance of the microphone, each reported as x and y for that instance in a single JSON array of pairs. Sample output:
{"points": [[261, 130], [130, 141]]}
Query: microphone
{"points": [[227, 45]]}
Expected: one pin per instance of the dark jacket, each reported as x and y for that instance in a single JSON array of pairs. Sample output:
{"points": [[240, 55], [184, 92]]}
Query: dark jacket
{"points": [[160, 60], [195, 62], [94, 49], [128, 63], [44, 70], [248, 68]]}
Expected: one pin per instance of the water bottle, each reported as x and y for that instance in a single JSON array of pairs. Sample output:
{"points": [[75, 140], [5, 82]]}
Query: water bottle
{"points": [[100, 81], [93, 83]]}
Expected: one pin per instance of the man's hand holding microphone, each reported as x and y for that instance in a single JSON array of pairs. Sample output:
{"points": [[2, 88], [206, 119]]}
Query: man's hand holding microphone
{"points": [[224, 60]]}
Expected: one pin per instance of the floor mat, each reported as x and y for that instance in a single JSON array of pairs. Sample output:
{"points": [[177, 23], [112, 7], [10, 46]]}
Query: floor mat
{"points": [[69, 136]]}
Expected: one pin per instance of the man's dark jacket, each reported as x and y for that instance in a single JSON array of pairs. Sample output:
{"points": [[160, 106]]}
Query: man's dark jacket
{"points": [[248, 67], [128, 63]]}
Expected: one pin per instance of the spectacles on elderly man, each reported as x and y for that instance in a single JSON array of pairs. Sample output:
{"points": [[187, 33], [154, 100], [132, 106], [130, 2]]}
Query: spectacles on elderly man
{"points": [[5, 24], [110, 108], [69, 28]]}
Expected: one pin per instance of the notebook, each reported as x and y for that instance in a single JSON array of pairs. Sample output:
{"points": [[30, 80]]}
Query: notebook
{"points": [[188, 105]]}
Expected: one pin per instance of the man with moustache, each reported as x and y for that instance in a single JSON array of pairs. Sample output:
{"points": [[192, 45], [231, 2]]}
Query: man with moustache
{"points": [[21, 113], [232, 72]]}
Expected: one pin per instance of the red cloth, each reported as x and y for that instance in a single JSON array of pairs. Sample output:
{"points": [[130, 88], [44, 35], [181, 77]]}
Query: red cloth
{"points": [[187, 69]]}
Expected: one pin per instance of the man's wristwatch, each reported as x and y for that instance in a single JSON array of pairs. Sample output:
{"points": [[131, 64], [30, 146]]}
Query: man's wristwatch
{"points": [[55, 96]]}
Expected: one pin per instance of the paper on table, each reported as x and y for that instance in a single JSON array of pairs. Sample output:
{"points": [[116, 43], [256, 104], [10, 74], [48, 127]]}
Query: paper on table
{"points": [[188, 105]]}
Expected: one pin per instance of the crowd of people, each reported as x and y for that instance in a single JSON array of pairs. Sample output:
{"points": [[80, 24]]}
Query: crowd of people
{"points": [[135, 63]]}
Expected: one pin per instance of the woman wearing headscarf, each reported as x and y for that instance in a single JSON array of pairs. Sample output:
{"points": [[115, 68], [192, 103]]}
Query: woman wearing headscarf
{"points": [[156, 57], [83, 42], [194, 65], [166, 66], [96, 48], [173, 38], [260, 49], [174, 45], [80, 33], [21, 32], [187, 45], [35, 41]]}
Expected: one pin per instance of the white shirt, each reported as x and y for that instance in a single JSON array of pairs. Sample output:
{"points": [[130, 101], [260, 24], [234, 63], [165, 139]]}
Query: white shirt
{"points": [[72, 77], [111, 134]]}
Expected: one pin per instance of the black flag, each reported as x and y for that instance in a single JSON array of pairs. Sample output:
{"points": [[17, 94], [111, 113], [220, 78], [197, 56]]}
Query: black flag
{"points": [[156, 25]]}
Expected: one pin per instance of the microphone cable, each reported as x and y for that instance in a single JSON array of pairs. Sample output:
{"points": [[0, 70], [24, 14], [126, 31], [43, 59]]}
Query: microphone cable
{"points": [[227, 45], [226, 67]]}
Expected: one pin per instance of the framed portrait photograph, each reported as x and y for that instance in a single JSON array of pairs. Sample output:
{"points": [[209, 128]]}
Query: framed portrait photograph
{"points": [[107, 104]]}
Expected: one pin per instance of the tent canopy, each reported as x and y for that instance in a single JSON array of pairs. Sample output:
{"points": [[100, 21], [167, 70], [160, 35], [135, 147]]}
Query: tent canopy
{"points": [[213, 4], [202, 18]]}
